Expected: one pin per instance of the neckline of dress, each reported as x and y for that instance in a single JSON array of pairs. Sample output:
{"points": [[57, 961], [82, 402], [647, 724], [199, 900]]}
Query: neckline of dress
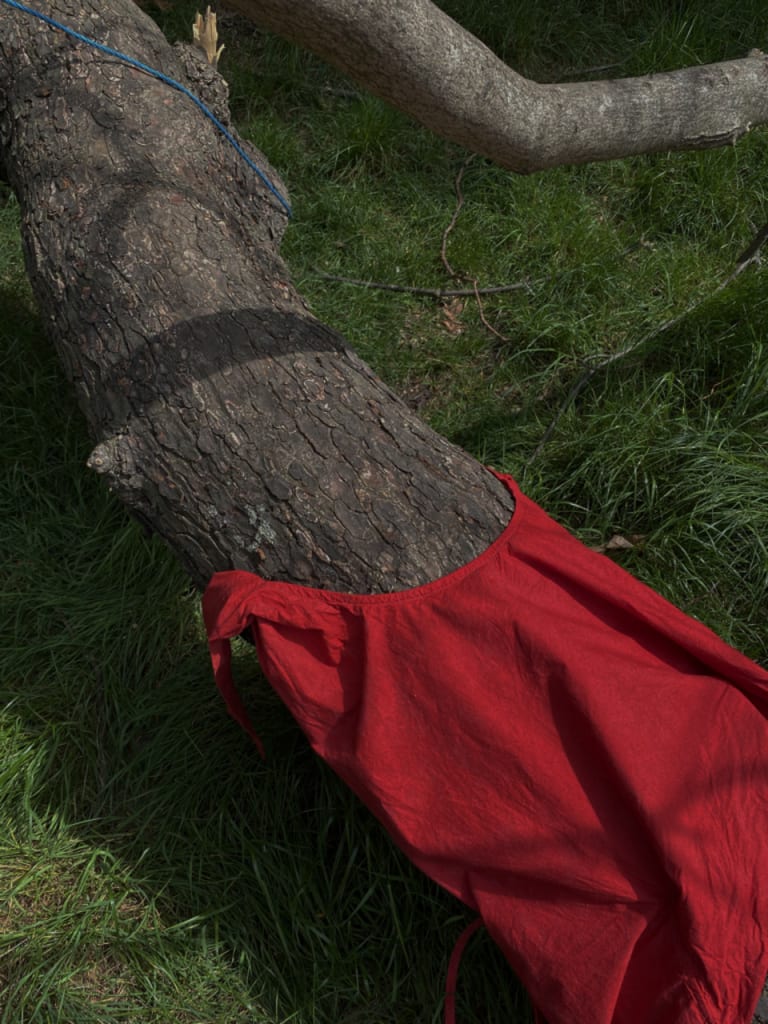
{"points": [[349, 598]]}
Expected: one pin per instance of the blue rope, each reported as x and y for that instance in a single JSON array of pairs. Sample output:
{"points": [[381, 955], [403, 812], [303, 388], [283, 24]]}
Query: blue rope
{"points": [[163, 78]]}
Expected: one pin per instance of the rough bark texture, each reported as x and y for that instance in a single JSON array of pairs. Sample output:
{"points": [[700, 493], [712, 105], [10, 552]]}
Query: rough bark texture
{"points": [[242, 430], [415, 57]]}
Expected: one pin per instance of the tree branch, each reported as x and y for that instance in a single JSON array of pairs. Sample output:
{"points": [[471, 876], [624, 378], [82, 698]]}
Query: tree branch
{"points": [[415, 57]]}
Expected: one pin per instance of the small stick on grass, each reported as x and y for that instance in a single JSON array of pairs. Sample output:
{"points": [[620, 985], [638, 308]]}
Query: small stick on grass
{"points": [[452, 223], [458, 276], [433, 293], [750, 255], [475, 291]]}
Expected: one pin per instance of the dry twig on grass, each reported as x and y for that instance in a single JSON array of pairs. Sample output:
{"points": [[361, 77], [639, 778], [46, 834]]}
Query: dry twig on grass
{"points": [[750, 255]]}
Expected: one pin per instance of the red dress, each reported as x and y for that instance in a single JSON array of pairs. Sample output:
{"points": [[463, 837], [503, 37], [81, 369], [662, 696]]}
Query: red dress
{"points": [[556, 745]]}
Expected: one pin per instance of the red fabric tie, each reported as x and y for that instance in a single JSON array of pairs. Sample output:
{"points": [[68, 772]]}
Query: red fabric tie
{"points": [[221, 659], [453, 970]]}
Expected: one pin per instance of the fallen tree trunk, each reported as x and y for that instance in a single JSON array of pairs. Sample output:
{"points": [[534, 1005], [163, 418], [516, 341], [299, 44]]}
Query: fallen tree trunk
{"points": [[411, 54], [225, 416]]}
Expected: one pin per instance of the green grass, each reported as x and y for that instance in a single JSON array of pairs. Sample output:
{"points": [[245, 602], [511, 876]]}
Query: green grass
{"points": [[151, 868]]}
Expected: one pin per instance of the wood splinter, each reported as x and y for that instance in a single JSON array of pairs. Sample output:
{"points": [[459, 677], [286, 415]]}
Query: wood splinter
{"points": [[205, 35]]}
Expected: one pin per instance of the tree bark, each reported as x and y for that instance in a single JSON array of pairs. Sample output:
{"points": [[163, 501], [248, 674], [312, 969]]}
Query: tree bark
{"points": [[243, 431], [415, 57]]}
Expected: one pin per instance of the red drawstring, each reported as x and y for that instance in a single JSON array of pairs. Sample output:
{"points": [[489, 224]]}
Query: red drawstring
{"points": [[453, 971]]}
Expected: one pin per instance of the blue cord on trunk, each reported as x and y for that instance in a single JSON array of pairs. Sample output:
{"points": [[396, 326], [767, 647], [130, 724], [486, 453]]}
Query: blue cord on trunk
{"points": [[163, 78]]}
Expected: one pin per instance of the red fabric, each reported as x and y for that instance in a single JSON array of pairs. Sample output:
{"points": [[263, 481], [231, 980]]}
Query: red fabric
{"points": [[559, 747]]}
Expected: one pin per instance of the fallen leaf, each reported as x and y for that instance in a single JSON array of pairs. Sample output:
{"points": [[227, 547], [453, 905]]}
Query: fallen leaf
{"points": [[618, 542], [451, 312]]}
